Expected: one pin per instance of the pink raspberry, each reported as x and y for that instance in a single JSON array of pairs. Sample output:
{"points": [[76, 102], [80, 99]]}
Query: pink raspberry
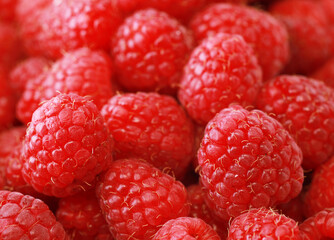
{"points": [[263, 224], [248, 160], [186, 228], [263, 32], [137, 199], [222, 70], [150, 50], [152, 127], [66, 146], [83, 72], [305, 107], [325, 73], [24, 217]]}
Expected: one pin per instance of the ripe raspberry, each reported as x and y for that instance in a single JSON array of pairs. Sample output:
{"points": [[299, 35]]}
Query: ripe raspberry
{"points": [[27, 10], [7, 10], [150, 50], [305, 107], [67, 25], [10, 139], [152, 127], [309, 38], [66, 146], [84, 72], [325, 73], [7, 105], [27, 71], [264, 33], [199, 209], [221, 71], [81, 217], [263, 224], [24, 217], [137, 199], [186, 228], [248, 159]]}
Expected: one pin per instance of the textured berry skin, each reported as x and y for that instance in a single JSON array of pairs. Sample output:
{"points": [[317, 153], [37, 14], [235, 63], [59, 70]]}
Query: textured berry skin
{"points": [[222, 70], [68, 25], [305, 107], [264, 33], [325, 73], [263, 224], [186, 228], [318, 227], [84, 72], [137, 199], [27, 71], [7, 10], [320, 194], [24, 217], [199, 209], [309, 38], [66, 146], [81, 217], [152, 127], [7, 104], [149, 50], [247, 160]]}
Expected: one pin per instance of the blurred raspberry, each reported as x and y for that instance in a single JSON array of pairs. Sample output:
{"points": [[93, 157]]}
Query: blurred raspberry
{"points": [[7, 102], [325, 73], [7, 10]]}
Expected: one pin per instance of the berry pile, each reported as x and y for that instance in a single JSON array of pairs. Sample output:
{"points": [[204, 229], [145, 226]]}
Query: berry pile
{"points": [[166, 119]]}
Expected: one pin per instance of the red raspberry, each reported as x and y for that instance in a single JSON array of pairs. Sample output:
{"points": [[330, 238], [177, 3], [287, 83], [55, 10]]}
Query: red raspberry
{"points": [[24, 217], [325, 73], [137, 199], [305, 107], [199, 209], [263, 224], [309, 38], [26, 10], [7, 10], [248, 159], [221, 71], [7, 105], [152, 127], [82, 218], [10, 139], [66, 146], [186, 228], [84, 72], [320, 194], [264, 33], [67, 25], [150, 50], [27, 71], [293, 209]]}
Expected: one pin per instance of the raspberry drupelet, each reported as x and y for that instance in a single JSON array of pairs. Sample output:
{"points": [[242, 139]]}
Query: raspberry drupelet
{"points": [[248, 160], [66, 146], [263, 224], [222, 70], [25, 217], [305, 107], [84, 72], [153, 127], [263, 32], [137, 198], [149, 50]]}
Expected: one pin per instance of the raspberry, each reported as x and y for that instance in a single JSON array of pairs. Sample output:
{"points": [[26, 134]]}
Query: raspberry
{"points": [[7, 105], [7, 10], [186, 228], [293, 209], [264, 33], [27, 10], [27, 71], [309, 38], [137, 199], [318, 227], [150, 49], [263, 224], [84, 72], [24, 217], [10, 139], [199, 134], [248, 159], [320, 194], [199, 209], [222, 70], [305, 107], [67, 25], [325, 73], [66, 146], [81, 217], [150, 126]]}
